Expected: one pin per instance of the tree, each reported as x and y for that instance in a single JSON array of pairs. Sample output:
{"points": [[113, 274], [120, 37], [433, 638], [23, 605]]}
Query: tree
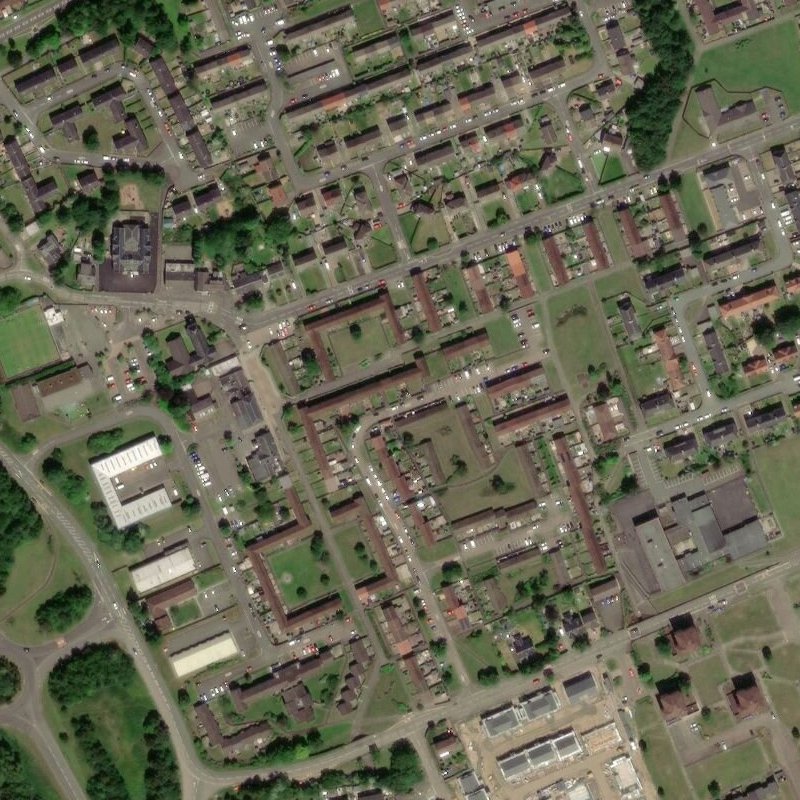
{"points": [[10, 681], [301, 592], [64, 609], [19, 521], [713, 788], [317, 546], [14, 57], [10, 299], [763, 330], [766, 651], [417, 334], [488, 676], [500, 485], [355, 330], [705, 712], [253, 301], [663, 645], [452, 571], [90, 138], [796, 732], [580, 642], [439, 647], [89, 670]]}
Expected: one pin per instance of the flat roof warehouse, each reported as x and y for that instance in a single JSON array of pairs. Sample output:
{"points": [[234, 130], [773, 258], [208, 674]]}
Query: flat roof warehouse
{"points": [[106, 469]]}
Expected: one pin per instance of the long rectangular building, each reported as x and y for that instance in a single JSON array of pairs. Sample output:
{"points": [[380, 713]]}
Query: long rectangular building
{"points": [[199, 656], [158, 572]]}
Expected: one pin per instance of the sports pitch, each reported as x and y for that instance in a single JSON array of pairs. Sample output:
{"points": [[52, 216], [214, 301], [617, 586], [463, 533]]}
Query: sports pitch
{"points": [[25, 342]]}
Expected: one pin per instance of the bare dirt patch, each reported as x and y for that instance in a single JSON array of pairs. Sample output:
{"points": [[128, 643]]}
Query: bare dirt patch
{"points": [[129, 197]]}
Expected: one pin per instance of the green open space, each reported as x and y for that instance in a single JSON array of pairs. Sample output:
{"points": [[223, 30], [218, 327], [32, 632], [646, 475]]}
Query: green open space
{"points": [[537, 262], [785, 661], [381, 250], [611, 233], [369, 343], [577, 332], [42, 566], [707, 677], [659, 755], [477, 493], [299, 574], [645, 376], [564, 181], [25, 342], [777, 467], [769, 57], [502, 336], [357, 565], [753, 618], [424, 233], [117, 715], [608, 167], [737, 766], [479, 652], [209, 577], [368, 17], [785, 700], [313, 280], [390, 696], [184, 613], [612, 285], [695, 208]]}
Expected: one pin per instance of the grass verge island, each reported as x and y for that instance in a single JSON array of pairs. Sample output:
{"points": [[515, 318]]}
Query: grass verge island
{"points": [[111, 734]]}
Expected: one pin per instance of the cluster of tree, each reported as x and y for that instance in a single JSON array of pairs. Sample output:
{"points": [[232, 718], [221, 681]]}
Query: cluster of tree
{"points": [[19, 520], [363, 554], [500, 485], [355, 330], [169, 390], [127, 19], [401, 776], [785, 323], [69, 483], [106, 781], [10, 299], [90, 138], [141, 616], [571, 35], [651, 109], [106, 441], [534, 588], [47, 39], [90, 213], [16, 770], [89, 670], [252, 301], [64, 609], [317, 546], [439, 647], [488, 676], [161, 780], [128, 540], [452, 571], [227, 240], [10, 682], [190, 505], [11, 215]]}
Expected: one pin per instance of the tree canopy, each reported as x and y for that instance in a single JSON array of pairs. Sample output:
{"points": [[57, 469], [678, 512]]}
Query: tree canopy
{"points": [[10, 682], [89, 670], [19, 520], [16, 769], [64, 609], [652, 108]]}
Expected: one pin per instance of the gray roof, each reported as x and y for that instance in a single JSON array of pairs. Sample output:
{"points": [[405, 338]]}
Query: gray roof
{"points": [[500, 721], [580, 687], [540, 704]]}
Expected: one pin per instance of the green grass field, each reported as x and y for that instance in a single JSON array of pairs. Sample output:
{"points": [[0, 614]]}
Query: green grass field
{"points": [[118, 717], [753, 618], [478, 652], [708, 676], [368, 17], [644, 377], [296, 569], [659, 756], [502, 336], [25, 342], [313, 280], [184, 613], [616, 247], [358, 568], [389, 698], [351, 351], [42, 567], [579, 339], [537, 262], [770, 57], [737, 766], [776, 467], [563, 182], [608, 167], [694, 203], [381, 250]]}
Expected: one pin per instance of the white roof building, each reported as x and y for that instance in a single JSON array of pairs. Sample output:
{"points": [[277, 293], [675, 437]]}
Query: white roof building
{"points": [[202, 655], [110, 467], [159, 571]]}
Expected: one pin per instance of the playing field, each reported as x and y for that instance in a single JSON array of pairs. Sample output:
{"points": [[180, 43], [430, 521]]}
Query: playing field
{"points": [[25, 342], [777, 467]]}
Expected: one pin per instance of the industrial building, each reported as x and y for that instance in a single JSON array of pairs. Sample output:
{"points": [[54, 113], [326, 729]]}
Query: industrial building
{"points": [[204, 654], [157, 572], [107, 472]]}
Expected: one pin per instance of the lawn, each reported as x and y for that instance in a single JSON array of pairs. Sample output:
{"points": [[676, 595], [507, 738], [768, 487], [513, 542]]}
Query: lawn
{"points": [[368, 17], [185, 613], [502, 336], [478, 652], [390, 697], [737, 766], [578, 334], [381, 251], [211, 577], [777, 467], [563, 182], [118, 716], [313, 280], [42, 567], [540, 269], [645, 376], [770, 57], [616, 246], [424, 233], [608, 167], [785, 661], [659, 756], [299, 574], [753, 618], [25, 342], [354, 350], [785, 699], [358, 567], [615, 283], [694, 203], [707, 677], [449, 440], [454, 282], [527, 201]]}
